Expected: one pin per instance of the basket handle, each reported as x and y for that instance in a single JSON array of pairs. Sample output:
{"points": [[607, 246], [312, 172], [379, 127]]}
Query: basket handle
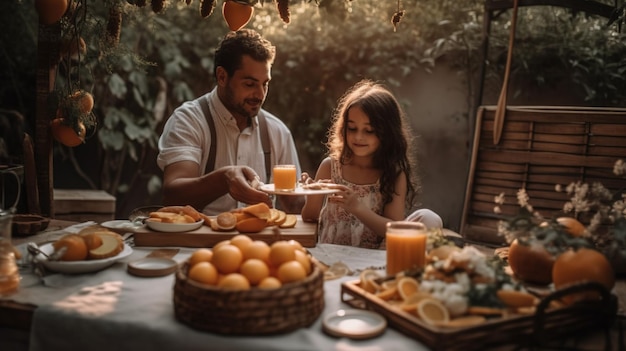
{"points": [[607, 305]]}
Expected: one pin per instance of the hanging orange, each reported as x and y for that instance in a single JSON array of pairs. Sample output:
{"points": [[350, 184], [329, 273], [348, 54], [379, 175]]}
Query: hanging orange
{"points": [[83, 100], [50, 11], [65, 134], [582, 265], [236, 14]]}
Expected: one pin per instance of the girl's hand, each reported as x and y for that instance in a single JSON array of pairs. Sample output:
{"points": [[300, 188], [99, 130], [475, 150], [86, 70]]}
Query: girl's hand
{"points": [[305, 178], [346, 198]]}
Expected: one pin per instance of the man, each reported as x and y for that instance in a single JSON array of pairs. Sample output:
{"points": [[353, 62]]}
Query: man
{"points": [[243, 62]]}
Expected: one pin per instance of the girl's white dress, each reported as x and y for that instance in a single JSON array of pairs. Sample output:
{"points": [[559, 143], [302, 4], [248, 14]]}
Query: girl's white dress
{"points": [[338, 226]]}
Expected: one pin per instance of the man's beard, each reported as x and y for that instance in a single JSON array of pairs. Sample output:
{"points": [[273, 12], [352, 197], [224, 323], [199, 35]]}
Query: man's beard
{"points": [[238, 108]]}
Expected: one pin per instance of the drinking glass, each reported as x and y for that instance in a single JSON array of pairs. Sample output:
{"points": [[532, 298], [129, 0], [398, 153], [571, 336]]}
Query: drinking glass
{"points": [[406, 246], [284, 177], [9, 274]]}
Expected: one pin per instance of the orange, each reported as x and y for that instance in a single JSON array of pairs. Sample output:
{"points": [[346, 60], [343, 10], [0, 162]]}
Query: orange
{"points": [[572, 226], [304, 260], [254, 270], [531, 263], [234, 281], [582, 265], [251, 225], [432, 311], [65, 134], [270, 283], [227, 258], [83, 100], [76, 248], [407, 286], [242, 241], [260, 210], [257, 249], [223, 242], [200, 255], [290, 271], [281, 252], [203, 272], [297, 245], [50, 11], [236, 14]]}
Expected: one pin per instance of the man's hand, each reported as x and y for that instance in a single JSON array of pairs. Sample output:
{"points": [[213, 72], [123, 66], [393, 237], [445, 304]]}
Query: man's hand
{"points": [[238, 180]]}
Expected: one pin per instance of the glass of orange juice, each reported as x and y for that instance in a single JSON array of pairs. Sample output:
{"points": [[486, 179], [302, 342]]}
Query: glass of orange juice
{"points": [[406, 246], [284, 177], [9, 273]]}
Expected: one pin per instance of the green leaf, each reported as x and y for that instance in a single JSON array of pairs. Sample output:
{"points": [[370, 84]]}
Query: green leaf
{"points": [[117, 86]]}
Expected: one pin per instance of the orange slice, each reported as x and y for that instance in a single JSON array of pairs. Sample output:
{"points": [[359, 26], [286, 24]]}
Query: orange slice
{"points": [[368, 280], [516, 299], [432, 311], [407, 286], [388, 294], [410, 304]]}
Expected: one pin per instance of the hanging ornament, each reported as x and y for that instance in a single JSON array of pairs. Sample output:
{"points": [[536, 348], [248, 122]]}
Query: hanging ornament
{"points": [[206, 8], [237, 13], [283, 10], [397, 17]]}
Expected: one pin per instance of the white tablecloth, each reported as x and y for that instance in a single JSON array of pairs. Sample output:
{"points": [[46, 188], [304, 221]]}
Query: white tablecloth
{"points": [[113, 310]]}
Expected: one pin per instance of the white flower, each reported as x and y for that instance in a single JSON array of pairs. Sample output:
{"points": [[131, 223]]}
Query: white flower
{"points": [[619, 168]]}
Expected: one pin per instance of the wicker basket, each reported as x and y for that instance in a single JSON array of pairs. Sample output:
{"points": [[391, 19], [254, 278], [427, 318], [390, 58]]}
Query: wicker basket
{"points": [[249, 312]]}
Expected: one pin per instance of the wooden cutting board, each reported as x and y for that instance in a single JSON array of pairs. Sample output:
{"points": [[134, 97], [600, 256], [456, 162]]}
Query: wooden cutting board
{"points": [[304, 232]]}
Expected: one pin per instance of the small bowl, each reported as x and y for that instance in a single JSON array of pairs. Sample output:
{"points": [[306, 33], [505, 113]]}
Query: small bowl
{"points": [[173, 227], [28, 224]]}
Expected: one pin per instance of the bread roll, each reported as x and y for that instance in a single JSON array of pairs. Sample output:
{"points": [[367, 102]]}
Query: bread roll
{"points": [[185, 210]]}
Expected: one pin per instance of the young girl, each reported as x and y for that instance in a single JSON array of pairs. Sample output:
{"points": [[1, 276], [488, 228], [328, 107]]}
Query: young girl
{"points": [[369, 157]]}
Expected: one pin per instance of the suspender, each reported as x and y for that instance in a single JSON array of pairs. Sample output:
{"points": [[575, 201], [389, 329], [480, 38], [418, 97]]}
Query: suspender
{"points": [[265, 144], [265, 140]]}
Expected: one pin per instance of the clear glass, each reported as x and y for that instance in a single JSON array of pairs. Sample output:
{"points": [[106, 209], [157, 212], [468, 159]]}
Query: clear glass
{"points": [[406, 246], [10, 179], [9, 273]]}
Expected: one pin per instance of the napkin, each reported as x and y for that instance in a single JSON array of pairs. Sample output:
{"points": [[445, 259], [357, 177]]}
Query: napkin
{"points": [[354, 259]]}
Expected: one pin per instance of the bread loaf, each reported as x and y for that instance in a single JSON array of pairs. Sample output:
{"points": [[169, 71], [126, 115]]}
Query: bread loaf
{"points": [[112, 244]]}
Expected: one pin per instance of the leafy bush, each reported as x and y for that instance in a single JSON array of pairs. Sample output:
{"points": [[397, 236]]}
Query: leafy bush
{"points": [[164, 59]]}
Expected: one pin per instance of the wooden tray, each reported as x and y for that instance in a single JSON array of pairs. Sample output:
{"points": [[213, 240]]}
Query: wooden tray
{"points": [[304, 232], [517, 329]]}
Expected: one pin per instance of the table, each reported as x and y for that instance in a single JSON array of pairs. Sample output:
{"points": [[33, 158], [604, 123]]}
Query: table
{"points": [[111, 309]]}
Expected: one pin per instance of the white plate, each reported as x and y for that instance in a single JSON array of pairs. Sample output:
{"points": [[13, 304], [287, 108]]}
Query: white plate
{"points": [[354, 324], [173, 227], [299, 191], [74, 267], [152, 267], [121, 226]]}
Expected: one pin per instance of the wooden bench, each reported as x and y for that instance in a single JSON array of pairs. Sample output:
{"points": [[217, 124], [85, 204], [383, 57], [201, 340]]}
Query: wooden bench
{"points": [[540, 147], [82, 205]]}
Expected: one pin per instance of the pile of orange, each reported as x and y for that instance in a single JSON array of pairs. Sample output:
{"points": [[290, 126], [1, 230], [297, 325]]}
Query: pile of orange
{"points": [[531, 262], [75, 107], [241, 263]]}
